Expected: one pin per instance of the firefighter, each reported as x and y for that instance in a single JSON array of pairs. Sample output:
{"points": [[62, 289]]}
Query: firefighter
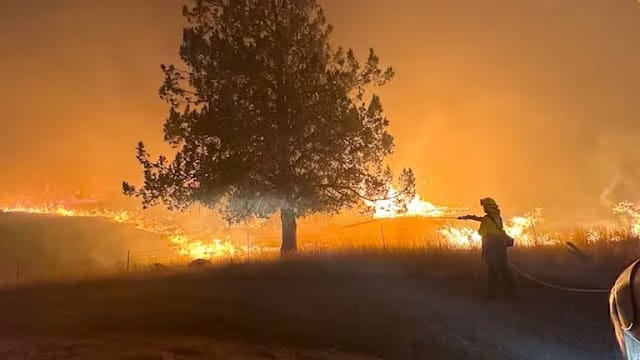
{"points": [[494, 249]]}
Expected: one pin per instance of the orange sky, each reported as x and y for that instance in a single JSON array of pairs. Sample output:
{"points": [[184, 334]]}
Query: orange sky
{"points": [[533, 102]]}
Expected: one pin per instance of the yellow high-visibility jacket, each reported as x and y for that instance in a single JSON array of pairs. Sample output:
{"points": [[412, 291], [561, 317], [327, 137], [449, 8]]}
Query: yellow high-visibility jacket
{"points": [[489, 227]]}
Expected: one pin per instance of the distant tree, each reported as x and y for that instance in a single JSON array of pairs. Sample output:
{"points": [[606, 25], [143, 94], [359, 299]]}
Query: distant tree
{"points": [[269, 117]]}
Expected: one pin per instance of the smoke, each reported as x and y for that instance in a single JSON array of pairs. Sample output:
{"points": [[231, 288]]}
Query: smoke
{"points": [[41, 247], [530, 102], [512, 100]]}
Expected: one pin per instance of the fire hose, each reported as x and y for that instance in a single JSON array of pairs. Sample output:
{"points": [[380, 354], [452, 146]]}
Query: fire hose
{"points": [[517, 269], [381, 219], [536, 280]]}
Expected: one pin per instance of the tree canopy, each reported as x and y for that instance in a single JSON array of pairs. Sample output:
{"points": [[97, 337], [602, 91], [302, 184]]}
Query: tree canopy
{"points": [[266, 115]]}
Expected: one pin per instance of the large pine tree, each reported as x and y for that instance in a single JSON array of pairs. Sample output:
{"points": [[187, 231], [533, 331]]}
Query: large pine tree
{"points": [[266, 116]]}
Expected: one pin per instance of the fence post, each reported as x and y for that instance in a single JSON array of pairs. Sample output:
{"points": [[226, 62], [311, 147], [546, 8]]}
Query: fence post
{"points": [[248, 247], [128, 259], [384, 246], [18, 273]]}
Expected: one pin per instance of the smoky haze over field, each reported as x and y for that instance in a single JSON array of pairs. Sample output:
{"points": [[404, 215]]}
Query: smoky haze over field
{"points": [[533, 102]]}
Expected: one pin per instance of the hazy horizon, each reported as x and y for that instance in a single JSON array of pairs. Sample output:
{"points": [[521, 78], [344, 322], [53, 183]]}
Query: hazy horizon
{"points": [[532, 102]]}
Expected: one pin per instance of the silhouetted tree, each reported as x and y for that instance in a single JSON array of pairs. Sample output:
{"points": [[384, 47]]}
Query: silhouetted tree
{"points": [[269, 117]]}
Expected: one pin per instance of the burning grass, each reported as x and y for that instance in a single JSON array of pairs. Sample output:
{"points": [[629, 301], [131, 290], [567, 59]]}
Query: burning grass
{"points": [[364, 285], [415, 227], [196, 243], [400, 283]]}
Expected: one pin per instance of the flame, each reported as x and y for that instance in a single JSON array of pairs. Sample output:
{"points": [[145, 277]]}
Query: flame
{"points": [[632, 213], [461, 237], [198, 249], [203, 247], [395, 206], [521, 228], [204, 244], [593, 236]]}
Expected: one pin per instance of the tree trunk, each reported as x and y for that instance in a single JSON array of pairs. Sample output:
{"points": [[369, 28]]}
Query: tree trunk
{"points": [[289, 241]]}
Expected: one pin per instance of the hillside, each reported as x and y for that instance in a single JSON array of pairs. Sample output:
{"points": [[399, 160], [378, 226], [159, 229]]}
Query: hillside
{"points": [[389, 307], [35, 247]]}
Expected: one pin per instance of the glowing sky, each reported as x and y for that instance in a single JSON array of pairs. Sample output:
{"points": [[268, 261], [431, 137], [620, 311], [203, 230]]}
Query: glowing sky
{"points": [[533, 102]]}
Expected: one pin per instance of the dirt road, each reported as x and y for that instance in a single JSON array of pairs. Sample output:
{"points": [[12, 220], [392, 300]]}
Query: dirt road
{"points": [[321, 310]]}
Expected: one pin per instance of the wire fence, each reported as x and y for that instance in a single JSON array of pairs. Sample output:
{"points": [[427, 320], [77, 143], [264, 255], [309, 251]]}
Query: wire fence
{"points": [[259, 246], [412, 235]]}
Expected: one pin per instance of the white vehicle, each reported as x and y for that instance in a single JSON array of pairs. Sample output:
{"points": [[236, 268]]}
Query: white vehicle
{"points": [[624, 308]]}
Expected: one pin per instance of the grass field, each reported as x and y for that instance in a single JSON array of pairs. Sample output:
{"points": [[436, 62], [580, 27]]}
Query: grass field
{"points": [[368, 305], [412, 303]]}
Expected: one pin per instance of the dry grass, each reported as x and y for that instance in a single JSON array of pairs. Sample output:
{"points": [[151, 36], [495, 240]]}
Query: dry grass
{"points": [[367, 302], [354, 296], [37, 248], [291, 308]]}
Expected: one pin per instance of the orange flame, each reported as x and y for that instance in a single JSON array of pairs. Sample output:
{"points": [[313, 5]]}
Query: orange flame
{"points": [[632, 213], [461, 237], [394, 207], [187, 245], [521, 228]]}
